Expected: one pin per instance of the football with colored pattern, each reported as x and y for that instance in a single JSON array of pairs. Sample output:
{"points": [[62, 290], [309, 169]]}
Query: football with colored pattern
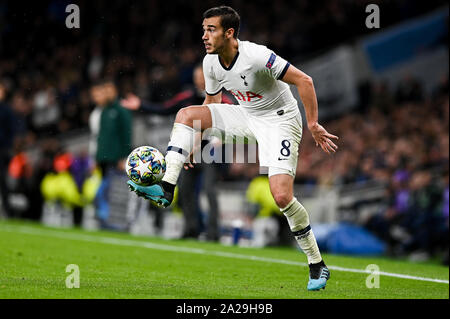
{"points": [[145, 165]]}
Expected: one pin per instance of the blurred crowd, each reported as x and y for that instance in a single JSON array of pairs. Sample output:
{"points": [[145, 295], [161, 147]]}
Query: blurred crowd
{"points": [[401, 139], [398, 137], [149, 48], [397, 133]]}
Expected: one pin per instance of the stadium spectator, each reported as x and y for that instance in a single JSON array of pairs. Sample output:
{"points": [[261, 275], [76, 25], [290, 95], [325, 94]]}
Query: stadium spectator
{"points": [[113, 141], [46, 112], [409, 90]]}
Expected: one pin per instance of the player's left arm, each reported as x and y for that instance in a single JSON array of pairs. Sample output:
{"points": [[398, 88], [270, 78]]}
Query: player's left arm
{"points": [[305, 87]]}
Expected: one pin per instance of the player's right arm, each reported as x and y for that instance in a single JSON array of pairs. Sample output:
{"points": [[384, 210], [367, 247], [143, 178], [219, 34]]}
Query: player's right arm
{"points": [[278, 68]]}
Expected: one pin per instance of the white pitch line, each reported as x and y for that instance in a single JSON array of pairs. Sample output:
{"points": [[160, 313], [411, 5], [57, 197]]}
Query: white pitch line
{"points": [[164, 247]]}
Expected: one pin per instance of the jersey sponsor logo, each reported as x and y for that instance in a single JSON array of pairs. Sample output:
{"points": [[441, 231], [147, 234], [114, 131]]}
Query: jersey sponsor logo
{"points": [[249, 96], [271, 60]]}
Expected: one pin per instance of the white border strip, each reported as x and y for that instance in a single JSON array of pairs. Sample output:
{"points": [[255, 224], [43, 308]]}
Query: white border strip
{"points": [[135, 243]]}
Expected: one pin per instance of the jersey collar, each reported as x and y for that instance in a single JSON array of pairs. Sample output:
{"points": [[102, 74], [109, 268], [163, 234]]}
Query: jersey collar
{"points": [[232, 62]]}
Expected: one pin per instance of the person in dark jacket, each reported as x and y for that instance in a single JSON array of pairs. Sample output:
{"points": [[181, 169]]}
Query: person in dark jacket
{"points": [[113, 141]]}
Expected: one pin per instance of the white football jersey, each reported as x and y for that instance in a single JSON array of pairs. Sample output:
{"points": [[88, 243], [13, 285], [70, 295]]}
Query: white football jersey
{"points": [[253, 77]]}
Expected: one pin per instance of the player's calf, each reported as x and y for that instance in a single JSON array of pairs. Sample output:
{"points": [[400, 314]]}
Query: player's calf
{"points": [[298, 220], [182, 139]]}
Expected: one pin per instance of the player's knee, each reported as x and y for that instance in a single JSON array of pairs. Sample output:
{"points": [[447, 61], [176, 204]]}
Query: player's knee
{"points": [[184, 116], [282, 199], [195, 116]]}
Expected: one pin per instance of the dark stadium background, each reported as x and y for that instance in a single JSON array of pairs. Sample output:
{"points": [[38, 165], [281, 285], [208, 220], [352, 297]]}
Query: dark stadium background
{"points": [[394, 138]]}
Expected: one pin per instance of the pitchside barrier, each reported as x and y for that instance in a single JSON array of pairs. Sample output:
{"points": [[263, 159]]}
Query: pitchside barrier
{"points": [[129, 213]]}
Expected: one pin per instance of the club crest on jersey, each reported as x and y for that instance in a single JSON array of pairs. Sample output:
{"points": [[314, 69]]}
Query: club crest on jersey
{"points": [[243, 78], [271, 60]]}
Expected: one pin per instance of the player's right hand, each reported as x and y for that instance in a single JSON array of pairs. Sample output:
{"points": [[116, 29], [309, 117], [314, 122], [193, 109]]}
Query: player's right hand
{"points": [[197, 147], [131, 102]]}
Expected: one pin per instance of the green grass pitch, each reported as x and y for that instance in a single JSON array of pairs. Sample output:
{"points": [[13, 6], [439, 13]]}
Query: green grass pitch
{"points": [[33, 261]]}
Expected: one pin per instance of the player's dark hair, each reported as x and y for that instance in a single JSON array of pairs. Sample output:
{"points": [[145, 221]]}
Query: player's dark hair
{"points": [[229, 18]]}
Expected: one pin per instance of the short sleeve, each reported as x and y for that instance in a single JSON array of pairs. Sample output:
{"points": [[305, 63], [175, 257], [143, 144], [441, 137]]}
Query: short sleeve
{"points": [[212, 86], [272, 63]]}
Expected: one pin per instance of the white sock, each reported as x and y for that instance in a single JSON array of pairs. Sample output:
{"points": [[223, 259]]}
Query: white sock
{"points": [[180, 146], [298, 220]]}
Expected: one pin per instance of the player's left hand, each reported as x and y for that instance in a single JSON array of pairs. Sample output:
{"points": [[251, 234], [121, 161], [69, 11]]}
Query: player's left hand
{"points": [[323, 138]]}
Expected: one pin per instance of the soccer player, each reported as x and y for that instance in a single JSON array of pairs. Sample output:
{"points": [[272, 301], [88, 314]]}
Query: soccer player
{"points": [[267, 112]]}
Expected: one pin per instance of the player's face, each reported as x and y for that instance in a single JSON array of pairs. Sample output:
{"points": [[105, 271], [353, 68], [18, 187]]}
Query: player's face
{"points": [[213, 35]]}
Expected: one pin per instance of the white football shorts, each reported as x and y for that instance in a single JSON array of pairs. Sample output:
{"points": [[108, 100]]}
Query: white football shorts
{"points": [[278, 135]]}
